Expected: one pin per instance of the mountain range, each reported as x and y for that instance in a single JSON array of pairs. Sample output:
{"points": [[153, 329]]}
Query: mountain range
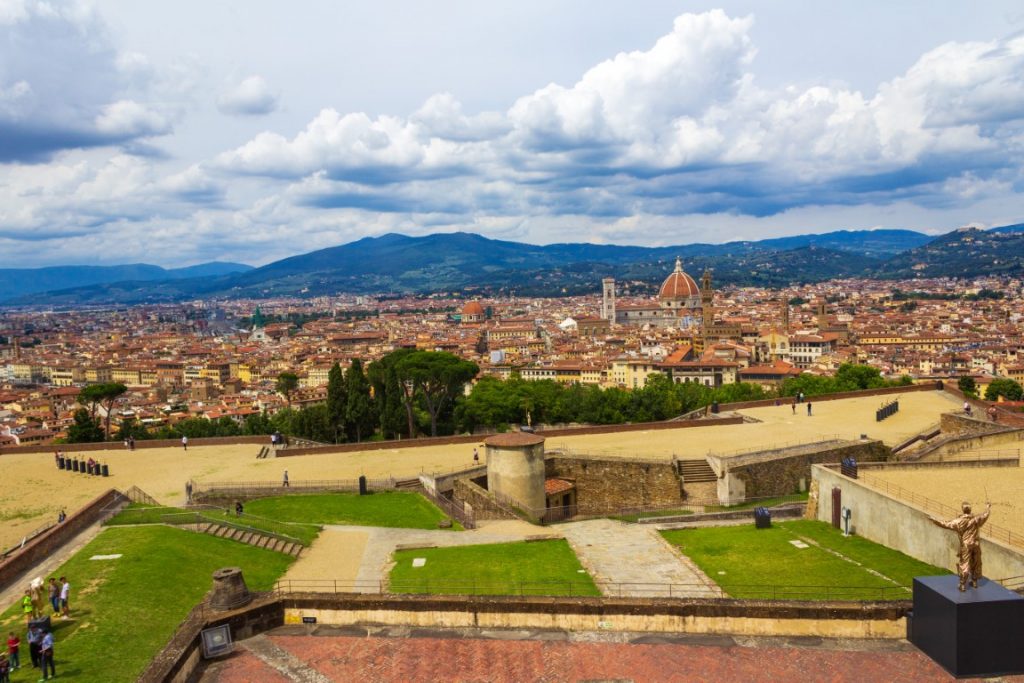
{"points": [[465, 263]]}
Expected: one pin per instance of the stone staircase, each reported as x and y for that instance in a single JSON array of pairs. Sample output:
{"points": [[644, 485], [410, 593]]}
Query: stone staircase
{"points": [[695, 471], [250, 536]]}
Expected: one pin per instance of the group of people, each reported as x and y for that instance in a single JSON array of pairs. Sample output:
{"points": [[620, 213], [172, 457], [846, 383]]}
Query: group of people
{"points": [[799, 398], [129, 443], [39, 637], [40, 650]]}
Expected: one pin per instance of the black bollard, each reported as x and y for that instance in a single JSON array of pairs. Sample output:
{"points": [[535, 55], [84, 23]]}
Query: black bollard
{"points": [[74, 465], [362, 485], [106, 470], [60, 463]]}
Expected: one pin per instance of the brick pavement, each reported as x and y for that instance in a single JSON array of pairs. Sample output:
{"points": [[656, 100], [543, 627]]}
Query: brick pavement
{"points": [[456, 658]]}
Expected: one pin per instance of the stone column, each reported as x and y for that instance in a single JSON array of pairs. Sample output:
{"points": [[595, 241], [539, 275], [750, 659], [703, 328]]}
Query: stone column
{"points": [[229, 590]]}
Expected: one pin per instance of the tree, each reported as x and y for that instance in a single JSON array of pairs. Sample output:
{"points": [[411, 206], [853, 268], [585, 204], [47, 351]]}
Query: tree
{"points": [[967, 385], [105, 395], [85, 429], [359, 412], [1007, 388], [434, 377], [337, 400], [287, 383], [396, 417], [130, 427], [851, 377]]}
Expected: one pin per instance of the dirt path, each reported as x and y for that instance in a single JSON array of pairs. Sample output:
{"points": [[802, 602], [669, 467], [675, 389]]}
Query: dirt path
{"points": [[336, 554]]}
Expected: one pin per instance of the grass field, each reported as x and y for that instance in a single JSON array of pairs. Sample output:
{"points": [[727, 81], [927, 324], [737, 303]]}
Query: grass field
{"points": [[761, 502], [124, 610], [535, 568], [747, 562], [137, 513], [404, 510]]}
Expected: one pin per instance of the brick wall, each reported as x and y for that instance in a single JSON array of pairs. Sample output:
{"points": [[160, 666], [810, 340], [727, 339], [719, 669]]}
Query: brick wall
{"points": [[782, 475], [139, 445], [46, 543], [615, 483]]}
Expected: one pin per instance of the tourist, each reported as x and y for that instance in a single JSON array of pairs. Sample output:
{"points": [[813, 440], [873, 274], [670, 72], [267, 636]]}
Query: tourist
{"points": [[184, 442], [793, 405], [27, 609], [5, 669], [476, 455], [967, 407], [56, 458], [188, 492], [65, 594], [35, 636], [14, 650], [808, 409], [46, 655], [54, 595], [238, 508], [992, 413], [284, 480], [131, 443], [62, 516]]}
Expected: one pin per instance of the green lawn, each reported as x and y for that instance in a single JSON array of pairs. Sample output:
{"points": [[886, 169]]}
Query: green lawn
{"points": [[124, 610], [764, 502], [534, 568], [397, 509], [137, 513], [762, 563]]}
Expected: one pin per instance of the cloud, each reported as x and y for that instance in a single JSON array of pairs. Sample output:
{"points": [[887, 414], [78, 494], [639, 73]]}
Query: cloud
{"points": [[77, 96], [251, 97], [679, 128], [645, 146]]}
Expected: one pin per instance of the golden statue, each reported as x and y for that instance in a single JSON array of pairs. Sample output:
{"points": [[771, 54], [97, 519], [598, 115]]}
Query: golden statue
{"points": [[968, 529]]}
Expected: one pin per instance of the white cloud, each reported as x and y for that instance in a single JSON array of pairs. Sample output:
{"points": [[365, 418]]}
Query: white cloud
{"points": [[251, 97]]}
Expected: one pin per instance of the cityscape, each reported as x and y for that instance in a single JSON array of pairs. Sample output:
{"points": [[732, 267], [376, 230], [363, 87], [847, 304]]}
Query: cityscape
{"points": [[479, 342]]}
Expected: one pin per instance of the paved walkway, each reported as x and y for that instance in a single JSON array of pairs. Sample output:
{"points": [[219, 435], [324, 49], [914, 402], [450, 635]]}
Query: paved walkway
{"points": [[47, 567], [421, 655], [635, 556]]}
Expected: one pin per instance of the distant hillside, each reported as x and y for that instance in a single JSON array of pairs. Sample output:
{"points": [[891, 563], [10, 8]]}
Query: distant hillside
{"points": [[968, 252], [872, 243], [18, 282]]}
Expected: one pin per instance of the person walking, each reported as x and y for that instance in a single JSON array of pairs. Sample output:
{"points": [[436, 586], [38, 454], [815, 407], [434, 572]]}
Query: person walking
{"points": [[284, 480], [188, 492], [476, 455], [184, 442], [13, 650], [808, 409], [46, 656], [65, 594]]}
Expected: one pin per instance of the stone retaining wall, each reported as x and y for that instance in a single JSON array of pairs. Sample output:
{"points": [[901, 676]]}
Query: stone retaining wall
{"points": [[46, 543], [140, 445], [617, 483], [180, 660], [902, 526], [783, 474], [484, 506]]}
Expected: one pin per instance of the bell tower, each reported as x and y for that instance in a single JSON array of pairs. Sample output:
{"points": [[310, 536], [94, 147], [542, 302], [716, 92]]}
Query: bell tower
{"points": [[608, 300]]}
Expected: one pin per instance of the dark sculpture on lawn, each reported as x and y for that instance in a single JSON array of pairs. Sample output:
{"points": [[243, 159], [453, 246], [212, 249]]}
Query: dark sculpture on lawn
{"points": [[968, 530]]}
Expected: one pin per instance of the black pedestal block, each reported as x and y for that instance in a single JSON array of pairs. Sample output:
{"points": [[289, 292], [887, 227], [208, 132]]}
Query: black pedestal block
{"points": [[974, 633]]}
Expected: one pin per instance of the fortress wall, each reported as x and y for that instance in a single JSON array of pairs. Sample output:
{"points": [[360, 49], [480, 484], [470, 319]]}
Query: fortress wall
{"points": [[902, 526], [615, 483], [782, 475]]}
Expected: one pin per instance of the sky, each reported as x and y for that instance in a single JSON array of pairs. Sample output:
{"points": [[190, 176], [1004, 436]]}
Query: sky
{"points": [[183, 132]]}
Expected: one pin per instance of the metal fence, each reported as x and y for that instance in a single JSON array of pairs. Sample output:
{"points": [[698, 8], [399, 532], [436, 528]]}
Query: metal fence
{"points": [[242, 488], [451, 508], [603, 589], [988, 531]]}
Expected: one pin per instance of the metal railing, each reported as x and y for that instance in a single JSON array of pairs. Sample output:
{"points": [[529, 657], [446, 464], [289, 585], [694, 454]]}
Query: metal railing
{"points": [[451, 508], [185, 518], [234, 488], [991, 531], [137, 495], [27, 539], [603, 588]]}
